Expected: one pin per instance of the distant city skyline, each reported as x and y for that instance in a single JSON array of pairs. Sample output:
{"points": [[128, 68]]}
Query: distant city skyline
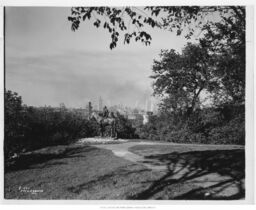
{"points": [[150, 104], [48, 64]]}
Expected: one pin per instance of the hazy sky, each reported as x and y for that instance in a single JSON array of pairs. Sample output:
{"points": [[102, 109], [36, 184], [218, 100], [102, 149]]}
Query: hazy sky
{"points": [[47, 63]]}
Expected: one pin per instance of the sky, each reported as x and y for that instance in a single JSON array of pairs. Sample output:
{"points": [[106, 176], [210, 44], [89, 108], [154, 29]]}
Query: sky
{"points": [[48, 64]]}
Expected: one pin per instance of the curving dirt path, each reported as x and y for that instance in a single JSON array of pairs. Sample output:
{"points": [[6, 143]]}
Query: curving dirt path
{"points": [[122, 150]]}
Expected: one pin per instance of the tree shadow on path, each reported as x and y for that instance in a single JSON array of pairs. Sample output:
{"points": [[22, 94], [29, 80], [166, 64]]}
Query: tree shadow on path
{"points": [[208, 175]]}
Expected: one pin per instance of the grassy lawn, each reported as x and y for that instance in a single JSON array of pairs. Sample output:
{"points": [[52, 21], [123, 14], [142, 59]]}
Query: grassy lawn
{"points": [[90, 173], [146, 150], [72, 172]]}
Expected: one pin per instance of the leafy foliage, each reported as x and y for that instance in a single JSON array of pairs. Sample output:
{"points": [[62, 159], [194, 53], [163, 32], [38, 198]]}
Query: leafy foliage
{"points": [[180, 78], [115, 21], [14, 121], [226, 39], [223, 125], [182, 19], [29, 128]]}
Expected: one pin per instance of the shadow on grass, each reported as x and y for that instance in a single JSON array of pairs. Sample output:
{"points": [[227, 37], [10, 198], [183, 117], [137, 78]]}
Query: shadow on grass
{"points": [[190, 166], [42, 158], [107, 179]]}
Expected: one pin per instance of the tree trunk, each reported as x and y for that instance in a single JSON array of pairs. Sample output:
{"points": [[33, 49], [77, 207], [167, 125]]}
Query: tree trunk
{"points": [[191, 108]]}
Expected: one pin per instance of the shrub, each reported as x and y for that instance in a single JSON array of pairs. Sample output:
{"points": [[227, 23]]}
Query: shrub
{"points": [[231, 133], [28, 128], [222, 125]]}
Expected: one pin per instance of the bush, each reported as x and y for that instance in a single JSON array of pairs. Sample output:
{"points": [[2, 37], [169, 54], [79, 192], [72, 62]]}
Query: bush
{"points": [[231, 133], [222, 125], [51, 126], [28, 128], [14, 121]]}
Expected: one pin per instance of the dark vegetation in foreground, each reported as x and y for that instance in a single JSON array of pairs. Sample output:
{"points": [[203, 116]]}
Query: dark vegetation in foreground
{"points": [[198, 173]]}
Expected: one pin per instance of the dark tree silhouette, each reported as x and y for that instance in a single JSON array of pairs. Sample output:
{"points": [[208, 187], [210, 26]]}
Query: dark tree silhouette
{"points": [[132, 20]]}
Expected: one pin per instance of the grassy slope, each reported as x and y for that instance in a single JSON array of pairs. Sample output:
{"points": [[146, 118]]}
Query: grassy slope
{"points": [[76, 173], [73, 172]]}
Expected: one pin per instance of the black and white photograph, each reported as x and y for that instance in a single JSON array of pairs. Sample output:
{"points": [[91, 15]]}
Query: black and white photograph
{"points": [[125, 102]]}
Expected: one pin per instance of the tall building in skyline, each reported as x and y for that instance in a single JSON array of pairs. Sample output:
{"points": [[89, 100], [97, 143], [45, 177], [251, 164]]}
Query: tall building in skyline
{"points": [[149, 105], [100, 104]]}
